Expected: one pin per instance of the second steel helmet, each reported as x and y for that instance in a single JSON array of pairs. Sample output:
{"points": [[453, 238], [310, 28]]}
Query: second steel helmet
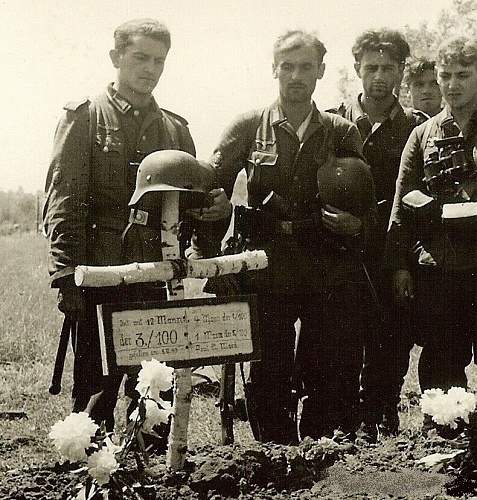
{"points": [[170, 170], [347, 184]]}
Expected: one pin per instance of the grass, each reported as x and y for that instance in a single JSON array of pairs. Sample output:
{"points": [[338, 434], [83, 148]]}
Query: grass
{"points": [[29, 329]]}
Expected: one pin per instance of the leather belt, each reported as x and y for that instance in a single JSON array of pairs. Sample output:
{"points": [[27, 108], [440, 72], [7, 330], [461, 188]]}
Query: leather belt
{"points": [[294, 227]]}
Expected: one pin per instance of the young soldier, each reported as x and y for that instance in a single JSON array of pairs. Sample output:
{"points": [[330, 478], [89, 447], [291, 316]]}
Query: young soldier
{"points": [[282, 147], [420, 79], [384, 126], [439, 279], [97, 148]]}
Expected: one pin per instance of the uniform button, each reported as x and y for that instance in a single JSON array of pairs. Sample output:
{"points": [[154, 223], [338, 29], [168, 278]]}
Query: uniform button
{"points": [[257, 161], [139, 217], [143, 137], [295, 204], [106, 149], [370, 143], [136, 112], [295, 178]]}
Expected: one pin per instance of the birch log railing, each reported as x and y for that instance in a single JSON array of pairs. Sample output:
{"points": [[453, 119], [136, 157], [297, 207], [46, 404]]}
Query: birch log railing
{"points": [[98, 276]]}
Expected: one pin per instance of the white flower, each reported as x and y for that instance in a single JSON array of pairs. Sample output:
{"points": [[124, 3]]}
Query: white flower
{"points": [[101, 464], [462, 401], [153, 378], [445, 409], [72, 435], [154, 414]]}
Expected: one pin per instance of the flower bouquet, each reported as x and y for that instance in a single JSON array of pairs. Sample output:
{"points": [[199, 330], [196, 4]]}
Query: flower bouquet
{"points": [[79, 439]]}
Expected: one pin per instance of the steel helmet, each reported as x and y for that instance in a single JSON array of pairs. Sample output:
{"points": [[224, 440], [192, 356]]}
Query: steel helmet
{"points": [[346, 183], [170, 170]]}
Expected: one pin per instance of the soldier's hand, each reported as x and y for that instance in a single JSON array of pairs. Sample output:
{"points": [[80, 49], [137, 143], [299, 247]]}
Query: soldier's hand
{"points": [[403, 286], [340, 222], [71, 302], [221, 207]]}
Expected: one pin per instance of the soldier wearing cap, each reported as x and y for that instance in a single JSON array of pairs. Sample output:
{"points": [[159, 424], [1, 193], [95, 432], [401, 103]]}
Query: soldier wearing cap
{"points": [[97, 148], [282, 148]]}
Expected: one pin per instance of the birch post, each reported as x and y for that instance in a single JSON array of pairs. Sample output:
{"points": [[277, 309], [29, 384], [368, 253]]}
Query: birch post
{"points": [[177, 446]]}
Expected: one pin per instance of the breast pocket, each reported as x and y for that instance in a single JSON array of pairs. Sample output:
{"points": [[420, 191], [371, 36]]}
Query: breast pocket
{"points": [[109, 158], [262, 172]]}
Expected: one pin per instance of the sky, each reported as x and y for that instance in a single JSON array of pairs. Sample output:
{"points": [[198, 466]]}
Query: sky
{"points": [[55, 51]]}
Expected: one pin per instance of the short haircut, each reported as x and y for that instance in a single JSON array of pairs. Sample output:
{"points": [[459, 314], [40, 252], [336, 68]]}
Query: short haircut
{"points": [[143, 27], [296, 39], [458, 50], [385, 40], [415, 68]]}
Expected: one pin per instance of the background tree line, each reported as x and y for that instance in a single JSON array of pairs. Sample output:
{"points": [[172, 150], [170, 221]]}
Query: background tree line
{"points": [[20, 211]]}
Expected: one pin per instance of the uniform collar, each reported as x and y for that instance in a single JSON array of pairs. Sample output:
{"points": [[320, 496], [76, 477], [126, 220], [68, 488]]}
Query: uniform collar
{"points": [[277, 116], [358, 112], [122, 105]]}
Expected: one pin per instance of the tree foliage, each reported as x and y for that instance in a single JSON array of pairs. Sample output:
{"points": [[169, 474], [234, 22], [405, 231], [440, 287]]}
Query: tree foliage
{"points": [[19, 211]]}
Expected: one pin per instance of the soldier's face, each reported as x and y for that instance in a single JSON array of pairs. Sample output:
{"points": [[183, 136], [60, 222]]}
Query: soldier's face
{"points": [[458, 85], [425, 92], [297, 71], [379, 74], [139, 65]]}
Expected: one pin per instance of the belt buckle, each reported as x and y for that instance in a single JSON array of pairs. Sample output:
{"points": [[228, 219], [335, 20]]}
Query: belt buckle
{"points": [[137, 216], [287, 227]]}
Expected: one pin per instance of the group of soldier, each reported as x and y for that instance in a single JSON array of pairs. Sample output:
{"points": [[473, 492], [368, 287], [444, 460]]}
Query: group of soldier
{"points": [[349, 255]]}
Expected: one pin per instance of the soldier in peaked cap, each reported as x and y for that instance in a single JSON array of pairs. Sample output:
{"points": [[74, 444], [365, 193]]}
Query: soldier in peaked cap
{"points": [[97, 148]]}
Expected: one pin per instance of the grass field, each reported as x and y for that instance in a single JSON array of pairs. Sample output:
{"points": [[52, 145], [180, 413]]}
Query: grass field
{"points": [[29, 329]]}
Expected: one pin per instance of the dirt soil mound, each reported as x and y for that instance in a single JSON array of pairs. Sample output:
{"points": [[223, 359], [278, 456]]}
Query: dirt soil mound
{"points": [[314, 469]]}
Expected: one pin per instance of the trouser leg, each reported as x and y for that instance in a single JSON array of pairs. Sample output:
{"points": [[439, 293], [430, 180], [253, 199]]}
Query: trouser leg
{"points": [[92, 391], [447, 321], [332, 382], [388, 341], [269, 391]]}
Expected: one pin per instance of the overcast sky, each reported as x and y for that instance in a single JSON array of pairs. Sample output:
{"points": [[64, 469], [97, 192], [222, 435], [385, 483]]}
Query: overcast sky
{"points": [[54, 51]]}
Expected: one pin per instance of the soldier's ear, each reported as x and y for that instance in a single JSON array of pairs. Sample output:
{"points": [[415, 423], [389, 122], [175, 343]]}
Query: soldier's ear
{"points": [[274, 70], [115, 57], [321, 70], [357, 68]]}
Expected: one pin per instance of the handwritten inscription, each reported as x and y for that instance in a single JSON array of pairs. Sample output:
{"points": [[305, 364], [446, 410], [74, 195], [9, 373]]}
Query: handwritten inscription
{"points": [[182, 333]]}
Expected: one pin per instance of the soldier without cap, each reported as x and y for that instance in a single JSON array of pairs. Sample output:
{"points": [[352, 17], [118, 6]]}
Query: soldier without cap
{"points": [[91, 178], [282, 147], [438, 279], [384, 127], [424, 91]]}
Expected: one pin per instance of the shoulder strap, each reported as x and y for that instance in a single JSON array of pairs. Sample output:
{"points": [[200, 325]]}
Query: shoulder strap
{"points": [[261, 125]]}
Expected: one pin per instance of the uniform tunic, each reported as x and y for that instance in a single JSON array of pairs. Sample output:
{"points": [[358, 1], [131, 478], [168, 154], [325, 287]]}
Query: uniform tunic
{"points": [[443, 263], [387, 346], [305, 279], [97, 148]]}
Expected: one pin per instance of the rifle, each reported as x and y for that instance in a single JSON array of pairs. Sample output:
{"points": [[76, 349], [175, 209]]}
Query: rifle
{"points": [[55, 387], [226, 286]]}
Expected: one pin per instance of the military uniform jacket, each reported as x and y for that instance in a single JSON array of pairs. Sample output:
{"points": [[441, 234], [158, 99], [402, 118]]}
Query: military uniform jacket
{"points": [[264, 143], [90, 179], [382, 147], [432, 247]]}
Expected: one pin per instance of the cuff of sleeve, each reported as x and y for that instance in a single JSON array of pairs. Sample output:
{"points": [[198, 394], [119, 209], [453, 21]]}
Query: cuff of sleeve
{"points": [[63, 278]]}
